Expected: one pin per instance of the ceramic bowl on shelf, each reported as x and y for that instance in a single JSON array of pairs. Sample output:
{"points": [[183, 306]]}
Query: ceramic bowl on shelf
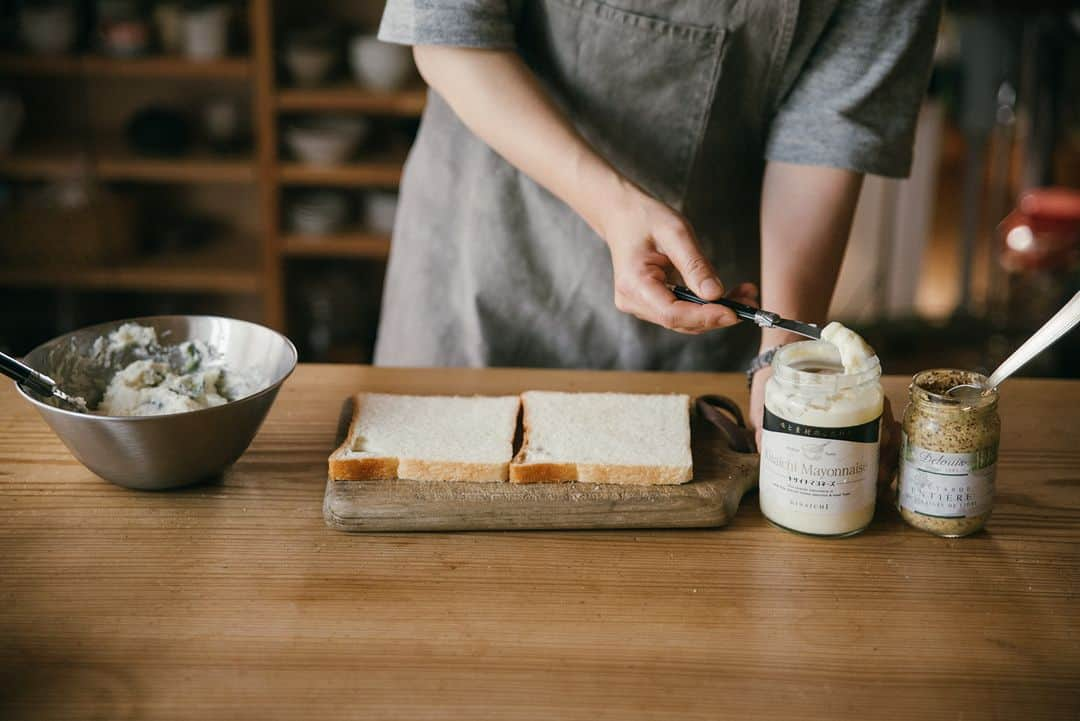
{"points": [[47, 28], [125, 38], [379, 65], [319, 212], [224, 124], [308, 65], [123, 29], [326, 140], [380, 208]]}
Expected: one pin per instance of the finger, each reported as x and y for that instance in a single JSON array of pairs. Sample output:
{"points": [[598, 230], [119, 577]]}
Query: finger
{"points": [[661, 307], [678, 243]]}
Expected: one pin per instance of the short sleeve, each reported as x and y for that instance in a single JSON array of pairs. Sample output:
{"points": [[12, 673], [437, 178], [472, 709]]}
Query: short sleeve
{"points": [[464, 23], [853, 99]]}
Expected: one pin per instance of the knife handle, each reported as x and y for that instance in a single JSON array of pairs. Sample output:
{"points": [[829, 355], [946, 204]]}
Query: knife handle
{"points": [[25, 375], [743, 311]]}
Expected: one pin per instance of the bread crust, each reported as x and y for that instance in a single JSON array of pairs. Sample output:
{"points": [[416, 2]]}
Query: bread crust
{"points": [[343, 468], [522, 472], [423, 470]]}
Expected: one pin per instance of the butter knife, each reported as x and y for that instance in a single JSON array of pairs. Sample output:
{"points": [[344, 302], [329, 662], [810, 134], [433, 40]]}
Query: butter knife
{"points": [[39, 383], [763, 318]]}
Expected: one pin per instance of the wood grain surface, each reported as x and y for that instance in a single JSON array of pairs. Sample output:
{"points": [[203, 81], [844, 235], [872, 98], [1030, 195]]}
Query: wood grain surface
{"points": [[232, 600], [721, 478]]}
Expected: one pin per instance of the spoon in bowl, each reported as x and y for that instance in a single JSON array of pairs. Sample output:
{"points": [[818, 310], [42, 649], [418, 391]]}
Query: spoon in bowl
{"points": [[39, 383], [1062, 322]]}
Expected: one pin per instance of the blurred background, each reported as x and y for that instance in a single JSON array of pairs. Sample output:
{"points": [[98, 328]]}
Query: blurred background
{"points": [[237, 158]]}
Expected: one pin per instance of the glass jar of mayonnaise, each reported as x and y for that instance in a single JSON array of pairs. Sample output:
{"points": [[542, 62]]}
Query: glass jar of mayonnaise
{"points": [[949, 454], [820, 434]]}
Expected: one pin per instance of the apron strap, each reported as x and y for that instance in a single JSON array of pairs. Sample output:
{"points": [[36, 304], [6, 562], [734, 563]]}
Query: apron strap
{"points": [[726, 415]]}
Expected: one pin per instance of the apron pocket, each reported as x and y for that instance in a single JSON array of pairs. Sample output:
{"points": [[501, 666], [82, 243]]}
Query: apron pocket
{"points": [[639, 88]]}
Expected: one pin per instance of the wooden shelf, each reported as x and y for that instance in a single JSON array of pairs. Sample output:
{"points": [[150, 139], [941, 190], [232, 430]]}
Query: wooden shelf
{"points": [[195, 168], [383, 172], [115, 162], [160, 66], [375, 246], [404, 103], [44, 161], [228, 270], [100, 154]]}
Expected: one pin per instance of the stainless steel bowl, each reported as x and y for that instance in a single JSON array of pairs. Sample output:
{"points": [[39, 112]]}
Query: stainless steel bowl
{"points": [[158, 452]]}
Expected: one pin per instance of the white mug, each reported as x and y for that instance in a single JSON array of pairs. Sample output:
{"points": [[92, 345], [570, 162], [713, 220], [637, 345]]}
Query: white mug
{"points": [[206, 32]]}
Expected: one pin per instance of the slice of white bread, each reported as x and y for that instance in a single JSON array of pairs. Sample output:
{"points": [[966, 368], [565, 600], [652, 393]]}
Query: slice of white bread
{"points": [[428, 438], [604, 438]]}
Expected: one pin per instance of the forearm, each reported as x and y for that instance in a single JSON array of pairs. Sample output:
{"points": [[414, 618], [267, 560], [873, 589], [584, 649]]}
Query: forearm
{"points": [[500, 100], [806, 215]]}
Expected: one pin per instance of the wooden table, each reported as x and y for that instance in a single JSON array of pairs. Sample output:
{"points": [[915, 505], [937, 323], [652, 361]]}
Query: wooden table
{"points": [[232, 600]]}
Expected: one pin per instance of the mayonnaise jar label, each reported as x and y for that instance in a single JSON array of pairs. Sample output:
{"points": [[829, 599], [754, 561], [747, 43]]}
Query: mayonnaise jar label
{"points": [[821, 471], [946, 485]]}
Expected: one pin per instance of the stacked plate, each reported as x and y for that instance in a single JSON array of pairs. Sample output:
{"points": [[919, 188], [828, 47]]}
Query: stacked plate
{"points": [[326, 140], [319, 212]]}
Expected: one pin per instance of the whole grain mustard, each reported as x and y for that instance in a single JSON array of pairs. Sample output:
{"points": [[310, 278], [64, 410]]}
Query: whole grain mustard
{"points": [[948, 461]]}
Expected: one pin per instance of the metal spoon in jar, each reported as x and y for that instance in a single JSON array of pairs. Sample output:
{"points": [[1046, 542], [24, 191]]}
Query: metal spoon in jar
{"points": [[1062, 322], [39, 383]]}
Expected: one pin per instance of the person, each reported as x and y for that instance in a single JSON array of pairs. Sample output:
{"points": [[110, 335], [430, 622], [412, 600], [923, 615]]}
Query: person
{"points": [[576, 156]]}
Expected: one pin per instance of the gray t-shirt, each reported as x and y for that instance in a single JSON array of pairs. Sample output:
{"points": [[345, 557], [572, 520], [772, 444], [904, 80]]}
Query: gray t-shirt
{"points": [[850, 82]]}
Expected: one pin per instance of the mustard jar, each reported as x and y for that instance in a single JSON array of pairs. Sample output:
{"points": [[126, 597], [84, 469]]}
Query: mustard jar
{"points": [[948, 457]]}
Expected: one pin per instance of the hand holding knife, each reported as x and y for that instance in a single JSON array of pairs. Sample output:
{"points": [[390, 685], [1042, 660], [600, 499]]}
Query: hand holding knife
{"points": [[763, 318]]}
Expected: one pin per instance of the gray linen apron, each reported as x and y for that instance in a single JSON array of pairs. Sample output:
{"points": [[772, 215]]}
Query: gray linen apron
{"points": [[489, 269]]}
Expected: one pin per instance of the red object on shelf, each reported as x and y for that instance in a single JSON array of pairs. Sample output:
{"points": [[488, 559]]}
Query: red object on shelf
{"points": [[1043, 232]]}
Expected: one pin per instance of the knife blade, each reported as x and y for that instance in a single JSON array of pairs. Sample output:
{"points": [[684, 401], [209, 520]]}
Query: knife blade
{"points": [[762, 318], [809, 330]]}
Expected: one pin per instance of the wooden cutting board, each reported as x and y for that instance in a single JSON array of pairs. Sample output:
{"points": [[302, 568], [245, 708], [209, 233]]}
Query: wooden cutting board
{"points": [[721, 477]]}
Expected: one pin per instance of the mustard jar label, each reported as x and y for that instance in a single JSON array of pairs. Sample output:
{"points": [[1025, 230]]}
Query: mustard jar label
{"points": [[947, 485]]}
